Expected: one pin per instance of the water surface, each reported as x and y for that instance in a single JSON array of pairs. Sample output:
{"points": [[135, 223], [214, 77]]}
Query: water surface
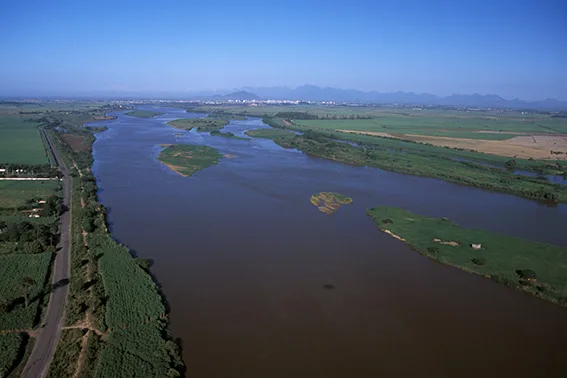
{"points": [[243, 259]]}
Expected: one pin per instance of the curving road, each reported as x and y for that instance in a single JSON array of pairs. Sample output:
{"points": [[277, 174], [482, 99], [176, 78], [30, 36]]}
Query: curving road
{"points": [[47, 338]]}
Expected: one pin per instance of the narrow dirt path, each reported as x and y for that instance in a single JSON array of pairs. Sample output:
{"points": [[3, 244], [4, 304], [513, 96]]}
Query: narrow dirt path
{"points": [[82, 355]]}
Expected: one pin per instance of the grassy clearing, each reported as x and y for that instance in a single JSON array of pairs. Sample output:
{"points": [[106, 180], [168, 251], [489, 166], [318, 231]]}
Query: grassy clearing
{"points": [[20, 141], [329, 202], [14, 194], [188, 159], [143, 114], [19, 296], [201, 124], [530, 266]]}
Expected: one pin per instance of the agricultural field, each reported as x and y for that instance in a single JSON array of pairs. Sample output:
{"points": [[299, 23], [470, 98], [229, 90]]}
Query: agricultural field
{"points": [[14, 194], [24, 288], [20, 141], [509, 134], [208, 124], [530, 266], [188, 159]]}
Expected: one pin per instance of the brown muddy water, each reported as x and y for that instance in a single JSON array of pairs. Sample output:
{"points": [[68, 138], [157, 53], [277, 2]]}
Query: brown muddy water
{"points": [[244, 259]]}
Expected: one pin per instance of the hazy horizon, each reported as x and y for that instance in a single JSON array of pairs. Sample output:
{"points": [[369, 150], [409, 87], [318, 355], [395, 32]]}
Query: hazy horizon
{"points": [[514, 49]]}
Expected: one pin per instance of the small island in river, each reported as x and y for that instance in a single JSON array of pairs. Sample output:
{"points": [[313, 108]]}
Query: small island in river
{"points": [[226, 134], [187, 159], [143, 114], [201, 124], [329, 202], [526, 265]]}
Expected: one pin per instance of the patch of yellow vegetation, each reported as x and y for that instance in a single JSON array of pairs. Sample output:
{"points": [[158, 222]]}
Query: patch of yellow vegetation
{"points": [[328, 202]]}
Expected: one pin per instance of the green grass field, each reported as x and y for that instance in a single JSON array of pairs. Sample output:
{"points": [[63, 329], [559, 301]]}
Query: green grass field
{"points": [[143, 114], [188, 159], [20, 141], [17, 193], [530, 266]]}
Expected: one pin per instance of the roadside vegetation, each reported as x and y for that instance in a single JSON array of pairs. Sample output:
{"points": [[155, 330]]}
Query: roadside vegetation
{"points": [[188, 159], [207, 124], [529, 266], [113, 299], [143, 113]]}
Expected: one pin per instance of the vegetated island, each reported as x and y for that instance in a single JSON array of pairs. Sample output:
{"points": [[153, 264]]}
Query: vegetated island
{"points": [[270, 134], [143, 113], [187, 159], [530, 266], [226, 134], [201, 124], [329, 202]]}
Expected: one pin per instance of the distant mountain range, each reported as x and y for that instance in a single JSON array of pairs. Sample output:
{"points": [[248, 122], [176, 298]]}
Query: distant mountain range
{"points": [[314, 93], [240, 95]]}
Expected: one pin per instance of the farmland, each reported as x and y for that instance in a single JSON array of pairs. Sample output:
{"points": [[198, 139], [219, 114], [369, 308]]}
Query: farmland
{"points": [[19, 193], [188, 159], [525, 265], [20, 141], [20, 298]]}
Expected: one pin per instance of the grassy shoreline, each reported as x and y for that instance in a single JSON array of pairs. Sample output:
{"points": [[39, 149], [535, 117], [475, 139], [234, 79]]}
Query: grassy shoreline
{"points": [[412, 160], [529, 266], [110, 289]]}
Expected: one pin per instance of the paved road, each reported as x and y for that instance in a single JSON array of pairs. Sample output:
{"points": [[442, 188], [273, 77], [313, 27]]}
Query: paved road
{"points": [[38, 363]]}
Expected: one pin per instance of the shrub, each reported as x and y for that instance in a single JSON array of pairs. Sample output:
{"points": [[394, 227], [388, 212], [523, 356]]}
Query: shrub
{"points": [[526, 274], [479, 261]]}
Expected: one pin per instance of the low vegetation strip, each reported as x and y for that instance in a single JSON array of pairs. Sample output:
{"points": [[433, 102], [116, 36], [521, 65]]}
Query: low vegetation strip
{"points": [[270, 133], [429, 165], [188, 159], [143, 113], [329, 202], [200, 124], [226, 134], [530, 266], [111, 292]]}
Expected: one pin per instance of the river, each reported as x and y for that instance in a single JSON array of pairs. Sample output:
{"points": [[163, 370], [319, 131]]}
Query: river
{"points": [[243, 259]]}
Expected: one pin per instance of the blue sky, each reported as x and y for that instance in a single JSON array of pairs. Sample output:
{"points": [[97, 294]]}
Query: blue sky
{"points": [[512, 48]]}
